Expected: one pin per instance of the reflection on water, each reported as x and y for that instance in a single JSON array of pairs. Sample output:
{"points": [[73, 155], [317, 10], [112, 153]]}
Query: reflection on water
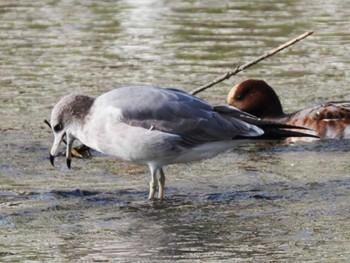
{"points": [[261, 202]]}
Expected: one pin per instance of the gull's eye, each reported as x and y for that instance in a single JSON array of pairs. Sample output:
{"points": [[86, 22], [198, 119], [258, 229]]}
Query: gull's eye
{"points": [[58, 127]]}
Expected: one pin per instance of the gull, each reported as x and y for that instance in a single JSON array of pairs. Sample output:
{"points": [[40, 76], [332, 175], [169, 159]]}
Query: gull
{"points": [[155, 126]]}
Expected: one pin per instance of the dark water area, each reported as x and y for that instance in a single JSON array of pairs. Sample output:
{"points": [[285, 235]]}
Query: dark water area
{"points": [[258, 202]]}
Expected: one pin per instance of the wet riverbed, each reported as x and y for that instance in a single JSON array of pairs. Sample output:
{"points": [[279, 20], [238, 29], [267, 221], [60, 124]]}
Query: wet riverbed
{"points": [[259, 202]]}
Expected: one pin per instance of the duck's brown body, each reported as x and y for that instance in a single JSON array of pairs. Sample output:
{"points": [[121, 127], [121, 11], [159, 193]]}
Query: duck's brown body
{"points": [[330, 120]]}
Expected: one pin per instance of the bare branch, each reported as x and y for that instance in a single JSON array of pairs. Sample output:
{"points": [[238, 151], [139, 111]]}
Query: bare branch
{"points": [[234, 71]]}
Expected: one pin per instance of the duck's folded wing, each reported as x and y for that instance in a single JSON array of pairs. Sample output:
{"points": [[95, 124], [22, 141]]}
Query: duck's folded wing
{"points": [[332, 111]]}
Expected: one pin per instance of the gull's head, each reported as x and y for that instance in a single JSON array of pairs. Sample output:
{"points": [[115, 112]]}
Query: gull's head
{"points": [[66, 117]]}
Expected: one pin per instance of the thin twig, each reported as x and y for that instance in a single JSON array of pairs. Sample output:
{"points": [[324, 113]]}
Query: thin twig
{"points": [[48, 123], [234, 71]]}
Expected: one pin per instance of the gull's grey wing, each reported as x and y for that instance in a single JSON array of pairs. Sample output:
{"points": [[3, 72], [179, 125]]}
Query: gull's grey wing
{"points": [[176, 112]]}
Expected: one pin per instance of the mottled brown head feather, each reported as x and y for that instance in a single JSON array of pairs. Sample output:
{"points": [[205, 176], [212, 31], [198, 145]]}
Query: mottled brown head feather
{"points": [[71, 108]]}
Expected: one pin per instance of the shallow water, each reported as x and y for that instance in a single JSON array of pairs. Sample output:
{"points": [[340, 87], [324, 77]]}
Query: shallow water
{"points": [[260, 202]]}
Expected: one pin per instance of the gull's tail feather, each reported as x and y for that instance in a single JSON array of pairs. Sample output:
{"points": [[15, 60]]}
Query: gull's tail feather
{"points": [[280, 133], [272, 130]]}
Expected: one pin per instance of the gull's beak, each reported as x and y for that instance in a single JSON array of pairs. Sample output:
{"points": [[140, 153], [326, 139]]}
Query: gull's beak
{"points": [[52, 160], [70, 140], [55, 146], [57, 142]]}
